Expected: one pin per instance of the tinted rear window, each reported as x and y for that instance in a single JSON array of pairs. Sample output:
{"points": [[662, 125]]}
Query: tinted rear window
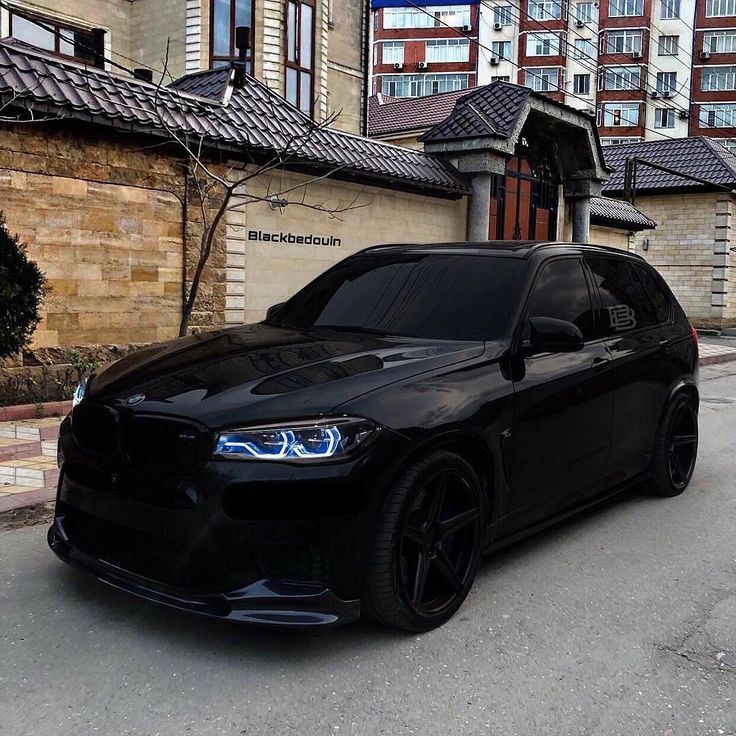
{"points": [[453, 296]]}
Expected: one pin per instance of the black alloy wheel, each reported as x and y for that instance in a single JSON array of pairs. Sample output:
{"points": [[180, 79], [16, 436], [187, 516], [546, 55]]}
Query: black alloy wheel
{"points": [[428, 544], [676, 448]]}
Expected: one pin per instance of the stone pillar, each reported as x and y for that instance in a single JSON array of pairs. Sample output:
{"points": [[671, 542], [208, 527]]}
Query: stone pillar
{"points": [[480, 207], [721, 256], [580, 188]]}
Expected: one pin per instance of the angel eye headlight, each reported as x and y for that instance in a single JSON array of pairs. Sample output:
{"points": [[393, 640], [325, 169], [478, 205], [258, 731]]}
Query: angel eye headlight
{"points": [[79, 392], [317, 439]]}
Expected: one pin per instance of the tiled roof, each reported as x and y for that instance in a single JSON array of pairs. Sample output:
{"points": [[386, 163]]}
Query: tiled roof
{"points": [[492, 110], [399, 114], [702, 157], [615, 212], [253, 120]]}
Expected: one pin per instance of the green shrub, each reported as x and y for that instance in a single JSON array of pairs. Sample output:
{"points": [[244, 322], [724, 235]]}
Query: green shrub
{"points": [[22, 289]]}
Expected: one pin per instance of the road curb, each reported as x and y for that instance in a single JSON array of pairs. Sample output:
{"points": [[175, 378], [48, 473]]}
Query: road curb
{"points": [[715, 359]]}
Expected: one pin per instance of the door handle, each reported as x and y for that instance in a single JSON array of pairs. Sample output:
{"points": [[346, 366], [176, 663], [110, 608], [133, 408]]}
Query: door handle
{"points": [[599, 363], [664, 342]]}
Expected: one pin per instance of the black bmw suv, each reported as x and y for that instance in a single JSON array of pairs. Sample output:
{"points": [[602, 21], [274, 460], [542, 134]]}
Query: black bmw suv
{"points": [[410, 409]]}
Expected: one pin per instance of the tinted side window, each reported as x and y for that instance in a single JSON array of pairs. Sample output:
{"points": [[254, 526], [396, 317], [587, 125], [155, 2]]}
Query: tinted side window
{"points": [[656, 293], [562, 292], [625, 305]]}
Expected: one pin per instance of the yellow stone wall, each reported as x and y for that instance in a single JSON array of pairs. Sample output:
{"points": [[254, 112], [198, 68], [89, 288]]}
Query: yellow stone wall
{"points": [[612, 238], [260, 274]]}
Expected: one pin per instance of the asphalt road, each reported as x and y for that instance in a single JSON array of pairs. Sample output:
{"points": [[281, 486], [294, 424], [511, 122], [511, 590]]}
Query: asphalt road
{"points": [[622, 621]]}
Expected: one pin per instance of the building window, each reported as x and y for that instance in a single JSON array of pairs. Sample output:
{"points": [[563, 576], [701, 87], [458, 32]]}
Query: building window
{"points": [[719, 8], [584, 49], [669, 9], [668, 46], [667, 82], [542, 79], [719, 42], [542, 44], [300, 54], [503, 14], [623, 42], [620, 114], [545, 9], [227, 15], [719, 78], [448, 50], [619, 141], [434, 16], [420, 85], [718, 116], [501, 49], [585, 12], [61, 39], [728, 143], [664, 117], [625, 8], [500, 78], [581, 84], [621, 77], [392, 52]]}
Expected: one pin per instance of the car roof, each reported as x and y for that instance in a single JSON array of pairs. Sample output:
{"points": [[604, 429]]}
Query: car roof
{"points": [[515, 248]]}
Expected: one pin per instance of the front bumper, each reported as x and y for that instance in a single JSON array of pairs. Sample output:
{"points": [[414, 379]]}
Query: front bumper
{"points": [[262, 602]]}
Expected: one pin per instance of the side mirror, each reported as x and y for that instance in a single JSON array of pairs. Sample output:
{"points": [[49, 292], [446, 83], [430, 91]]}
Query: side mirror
{"points": [[549, 335], [271, 311]]}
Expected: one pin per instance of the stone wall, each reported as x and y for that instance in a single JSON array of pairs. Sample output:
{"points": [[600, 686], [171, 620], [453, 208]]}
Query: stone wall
{"points": [[620, 239], [690, 248], [264, 269]]}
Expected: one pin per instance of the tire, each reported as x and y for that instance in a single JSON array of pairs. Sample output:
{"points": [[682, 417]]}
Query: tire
{"points": [[427, 546], [675, 448]]}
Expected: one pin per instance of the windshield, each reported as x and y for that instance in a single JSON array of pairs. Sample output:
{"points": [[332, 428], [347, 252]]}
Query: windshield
{"points": [[441, 296]]}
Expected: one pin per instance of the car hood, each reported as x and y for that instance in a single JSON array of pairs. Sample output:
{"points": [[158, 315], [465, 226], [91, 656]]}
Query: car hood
{"points": [[262, 372]]}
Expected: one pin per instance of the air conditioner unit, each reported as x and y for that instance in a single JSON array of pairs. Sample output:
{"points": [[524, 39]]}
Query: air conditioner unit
{"points": [[497, 26], [683, 114], [654, 94], [705, 55], [466, 29], [636, 55], [398, 65], [495, 60], [667, 94], [422, 65], [580, 23]]}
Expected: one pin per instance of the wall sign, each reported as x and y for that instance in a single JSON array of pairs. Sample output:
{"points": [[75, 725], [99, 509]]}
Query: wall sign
{"points": [[262, 236]]}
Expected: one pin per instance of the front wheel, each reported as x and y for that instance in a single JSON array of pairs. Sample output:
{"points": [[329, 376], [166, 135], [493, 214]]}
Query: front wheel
{"points": [[428, 544], [676, 447]]}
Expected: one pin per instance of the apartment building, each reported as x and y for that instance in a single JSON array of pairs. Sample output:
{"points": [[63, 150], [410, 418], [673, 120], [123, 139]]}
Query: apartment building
{"points": [[310, 51], [648, 69]]}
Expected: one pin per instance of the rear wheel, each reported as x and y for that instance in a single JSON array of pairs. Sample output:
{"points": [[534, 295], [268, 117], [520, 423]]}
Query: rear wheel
{"points": [[427, 545], [676, 447]]}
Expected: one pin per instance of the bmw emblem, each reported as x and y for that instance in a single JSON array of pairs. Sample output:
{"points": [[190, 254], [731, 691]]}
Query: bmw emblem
{"points": [[134, 400]]}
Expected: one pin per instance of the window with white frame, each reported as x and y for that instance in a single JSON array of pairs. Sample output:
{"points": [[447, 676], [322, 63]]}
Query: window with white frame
{"points": [[718, 78], [669, 9], [392, 52], [545, 9], [668, 46], [584, 49], [664, 117], [542, 79], [542, 44], [620, 114], [581, 84], [625, 8], [623, 42], [501, 49], [621, 77], [718, 116], [719, 8], [500, 78], [503, 14], [728, 143], [619, 141], [448, 50], [420, 85], [667, 82], [719, 42], [431, 16], [585, 12]]}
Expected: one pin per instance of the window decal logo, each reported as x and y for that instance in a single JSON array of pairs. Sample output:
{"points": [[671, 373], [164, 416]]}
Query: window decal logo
{"points": [[621, 318]]}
